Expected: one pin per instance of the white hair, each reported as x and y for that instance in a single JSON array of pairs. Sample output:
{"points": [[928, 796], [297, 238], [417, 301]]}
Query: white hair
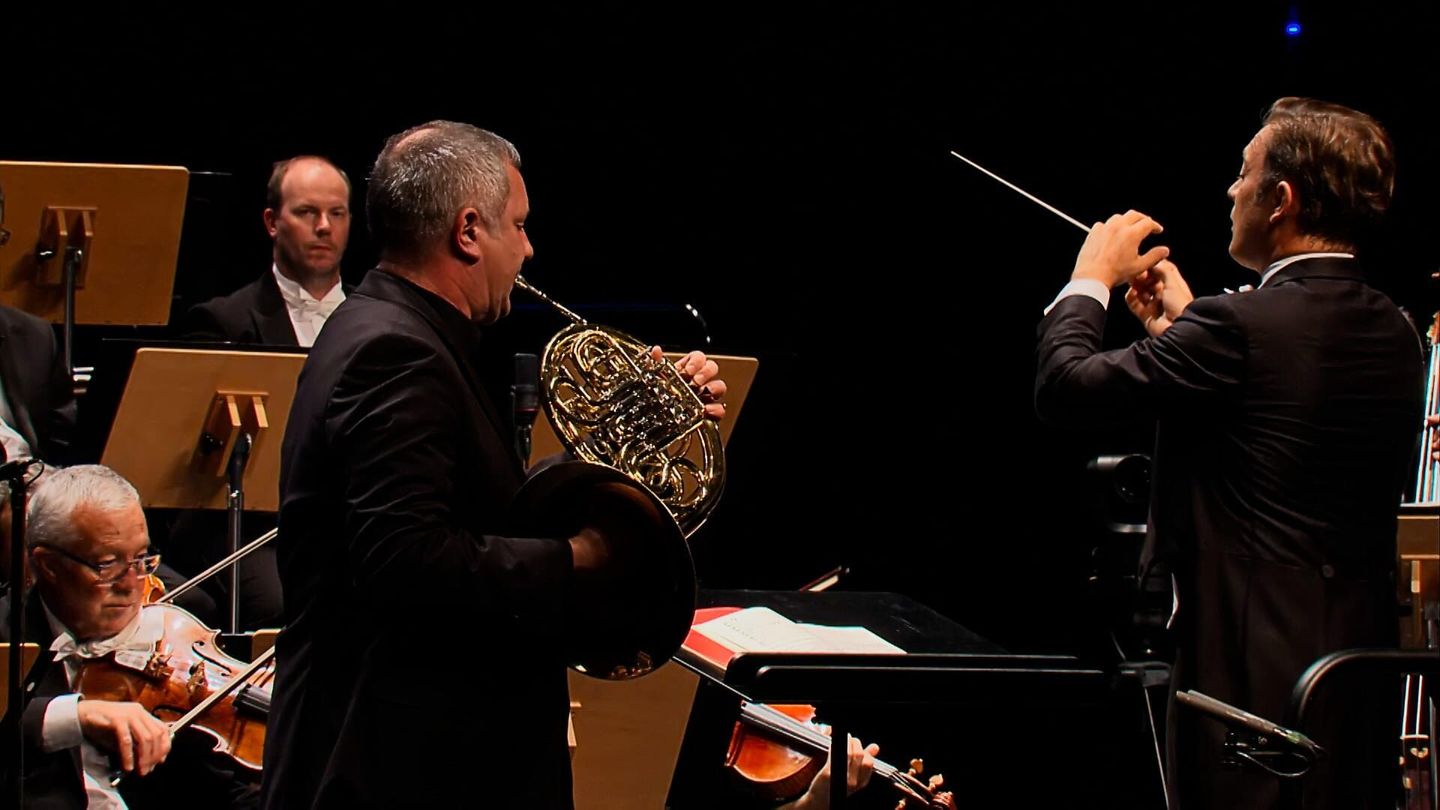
{"points": [[61, 490]]}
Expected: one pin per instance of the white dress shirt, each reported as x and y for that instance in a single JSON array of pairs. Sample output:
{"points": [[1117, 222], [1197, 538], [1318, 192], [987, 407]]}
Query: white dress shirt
{"points": [[60, 728], [307, 313], [1277, 266]]}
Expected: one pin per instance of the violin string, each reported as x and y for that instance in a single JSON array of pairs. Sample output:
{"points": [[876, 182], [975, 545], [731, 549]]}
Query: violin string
{"points": [[239, 680], [1419, 701], [1405, 707]]}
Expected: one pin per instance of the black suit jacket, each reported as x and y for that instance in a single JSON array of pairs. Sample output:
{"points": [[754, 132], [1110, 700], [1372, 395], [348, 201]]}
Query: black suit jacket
{"points": [[37, 384], [254, 313], [1288, 421], [416, 639], [53, 780]]}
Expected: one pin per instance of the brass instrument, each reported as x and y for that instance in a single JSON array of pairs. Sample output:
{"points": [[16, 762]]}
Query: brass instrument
{"points": [[650, 459], [611, 403]]}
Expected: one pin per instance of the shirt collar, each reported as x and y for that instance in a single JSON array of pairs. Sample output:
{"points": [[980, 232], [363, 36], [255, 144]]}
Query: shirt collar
{"points": [[1281, 264], [140, 634], [297, 297]]}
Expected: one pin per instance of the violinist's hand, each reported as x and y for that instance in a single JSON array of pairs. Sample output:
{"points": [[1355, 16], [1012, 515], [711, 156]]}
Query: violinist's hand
{"points": [[1111, 253], [139, 740], [703, 373], [859, 766], [1157, 297], [1432, 421]]}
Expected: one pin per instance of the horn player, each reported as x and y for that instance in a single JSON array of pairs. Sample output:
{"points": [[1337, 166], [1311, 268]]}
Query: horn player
{"points": [[422, 661]]}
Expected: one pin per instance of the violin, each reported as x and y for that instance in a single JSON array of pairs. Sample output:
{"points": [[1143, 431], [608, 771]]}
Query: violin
{"points": [[188, 682], [152, 588], [777, 751]]}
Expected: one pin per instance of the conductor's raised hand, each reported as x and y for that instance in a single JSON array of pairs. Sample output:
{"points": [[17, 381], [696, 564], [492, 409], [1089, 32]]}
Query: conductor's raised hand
{"points": [[1111, 253]]}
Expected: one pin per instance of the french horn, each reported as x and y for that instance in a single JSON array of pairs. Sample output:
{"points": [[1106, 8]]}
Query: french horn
{"points": [[650, 465]]}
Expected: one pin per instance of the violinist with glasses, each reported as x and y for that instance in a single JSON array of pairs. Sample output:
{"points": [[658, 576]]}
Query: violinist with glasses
{"points": [[89, 557]]}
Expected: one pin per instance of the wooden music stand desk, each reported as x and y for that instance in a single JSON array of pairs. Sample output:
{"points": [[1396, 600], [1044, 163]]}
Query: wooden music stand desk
{"points": [[627, 734], [91, 243], [201, 429], [28, 653], [176, 397]]}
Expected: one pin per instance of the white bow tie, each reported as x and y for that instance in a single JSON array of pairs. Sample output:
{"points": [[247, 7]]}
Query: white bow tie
{"points": [[66, 646], [128, 639]]}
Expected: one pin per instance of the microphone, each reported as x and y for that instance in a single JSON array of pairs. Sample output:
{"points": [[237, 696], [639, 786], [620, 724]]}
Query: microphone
{"points": [[1279, 750], [11, 470], [525, 402]]}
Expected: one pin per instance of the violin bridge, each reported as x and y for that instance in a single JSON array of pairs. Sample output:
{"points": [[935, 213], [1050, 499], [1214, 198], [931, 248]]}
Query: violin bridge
{"points": [[198, 685], [158, 667]]}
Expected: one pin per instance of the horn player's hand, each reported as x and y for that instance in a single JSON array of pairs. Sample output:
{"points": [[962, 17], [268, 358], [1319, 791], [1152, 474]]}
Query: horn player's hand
{"points": [[704, 376], [617, 518], [589, 550]]}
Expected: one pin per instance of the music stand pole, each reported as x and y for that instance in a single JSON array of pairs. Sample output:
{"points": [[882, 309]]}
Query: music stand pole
{"points": [[73, 257], [235, 507]]}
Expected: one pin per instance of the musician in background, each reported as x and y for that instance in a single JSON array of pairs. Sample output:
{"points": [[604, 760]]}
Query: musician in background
{"points": [[37, 397], [1288, 417], [89, 554], [37, 419], [307, 214], [422, 660]]}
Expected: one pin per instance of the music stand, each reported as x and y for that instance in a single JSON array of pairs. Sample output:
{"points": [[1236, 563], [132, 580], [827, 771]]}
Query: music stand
{"points": [[944, 663], [628, 733], [199, 428], [91, 243], [28, 653]]}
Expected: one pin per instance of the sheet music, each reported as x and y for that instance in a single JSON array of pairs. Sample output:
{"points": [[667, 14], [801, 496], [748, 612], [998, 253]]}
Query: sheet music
{"points": [[760, 629], [851, 639]]}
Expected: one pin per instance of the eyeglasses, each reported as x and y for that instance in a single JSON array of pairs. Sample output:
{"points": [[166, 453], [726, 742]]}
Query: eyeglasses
{"points": [[110, 572]]}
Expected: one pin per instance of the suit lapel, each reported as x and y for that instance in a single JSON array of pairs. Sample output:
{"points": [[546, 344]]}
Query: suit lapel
{"points": [[270, 317], [44, 677], [47, 677]]}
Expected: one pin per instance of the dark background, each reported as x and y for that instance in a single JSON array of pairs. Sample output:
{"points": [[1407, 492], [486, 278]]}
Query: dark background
{"points": [[784, 170]]}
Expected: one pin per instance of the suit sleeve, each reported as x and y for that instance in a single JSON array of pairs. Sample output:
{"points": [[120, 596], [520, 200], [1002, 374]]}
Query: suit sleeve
{"points": [[1199, 360], [394, 418], [59, 409]]}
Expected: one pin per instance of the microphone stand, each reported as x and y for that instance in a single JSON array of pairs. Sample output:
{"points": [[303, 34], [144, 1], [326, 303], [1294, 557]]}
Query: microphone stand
{"points": [[525, 403], [15, 473]]}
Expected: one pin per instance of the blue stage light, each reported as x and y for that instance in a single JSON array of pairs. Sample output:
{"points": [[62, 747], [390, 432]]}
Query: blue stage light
{"points": [[1292, 29]]}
